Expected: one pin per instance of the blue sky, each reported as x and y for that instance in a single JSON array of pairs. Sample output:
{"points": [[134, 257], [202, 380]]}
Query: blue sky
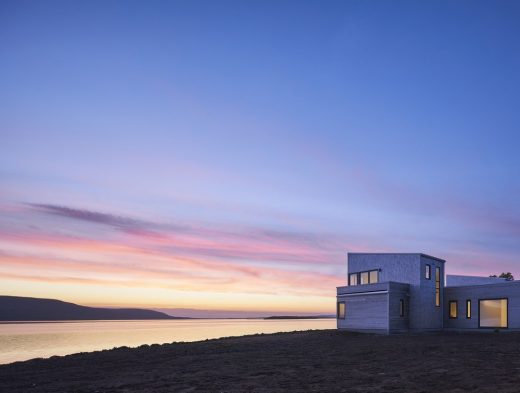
{"points": [[264, 128]]}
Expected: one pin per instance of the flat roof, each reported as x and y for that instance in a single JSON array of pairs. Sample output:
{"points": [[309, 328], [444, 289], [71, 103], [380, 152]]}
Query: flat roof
{"points": [[491, 285], [397, 253]]}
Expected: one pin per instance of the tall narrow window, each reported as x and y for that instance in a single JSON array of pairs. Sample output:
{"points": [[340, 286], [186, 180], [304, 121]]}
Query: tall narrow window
{"points": [[401, 307], [363, 278], [438, 286], [353, 279], [428, 272], [341, 310], [468, 309], [373, 277], [453, 309]]}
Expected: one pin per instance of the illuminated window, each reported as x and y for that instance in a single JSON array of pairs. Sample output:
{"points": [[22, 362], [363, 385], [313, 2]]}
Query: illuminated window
{"points": [[468, 309], [493, 313], [341, 310], [364, 278], [353, 279], [428, 272], [438, 286], [453, 309], [373, 277], [401, 307]]}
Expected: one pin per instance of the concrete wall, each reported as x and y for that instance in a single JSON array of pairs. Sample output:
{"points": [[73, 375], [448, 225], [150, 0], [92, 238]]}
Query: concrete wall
{"points": [[509, 290], [409, 269]]}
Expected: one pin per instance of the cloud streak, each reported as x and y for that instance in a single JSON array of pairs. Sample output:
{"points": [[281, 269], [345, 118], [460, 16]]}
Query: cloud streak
{"points": [[114, 250], [147, 254], [254, 244]]}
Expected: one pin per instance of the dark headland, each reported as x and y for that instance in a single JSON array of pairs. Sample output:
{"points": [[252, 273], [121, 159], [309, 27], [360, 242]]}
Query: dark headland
{"points": [[15, 308], [319, 361]]}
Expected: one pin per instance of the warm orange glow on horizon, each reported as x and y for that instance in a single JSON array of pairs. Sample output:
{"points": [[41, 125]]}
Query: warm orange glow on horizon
{"points": [[168, 271], [112, 296]]}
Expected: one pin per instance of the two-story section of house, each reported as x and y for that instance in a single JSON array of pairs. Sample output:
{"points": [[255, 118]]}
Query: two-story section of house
{"points": [[388, 293], [392, 292]]}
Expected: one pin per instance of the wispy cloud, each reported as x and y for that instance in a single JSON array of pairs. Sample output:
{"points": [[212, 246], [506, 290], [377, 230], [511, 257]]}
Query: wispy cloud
{"points": [[258, 244], [144, 253], [126, 224], [117, 250]]}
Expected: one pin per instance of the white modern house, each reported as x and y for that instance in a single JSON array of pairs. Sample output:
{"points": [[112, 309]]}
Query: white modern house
{"points": [[389, 293]]}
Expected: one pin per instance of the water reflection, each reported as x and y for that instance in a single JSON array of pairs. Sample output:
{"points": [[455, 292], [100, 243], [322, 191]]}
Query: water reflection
{"points": [[22, 341]]}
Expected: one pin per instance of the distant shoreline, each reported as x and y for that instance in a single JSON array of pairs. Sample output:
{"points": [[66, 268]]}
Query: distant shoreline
{"points": [[166, 320]]}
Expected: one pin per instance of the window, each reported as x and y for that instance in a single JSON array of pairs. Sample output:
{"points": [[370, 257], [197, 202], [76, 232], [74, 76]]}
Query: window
{"points": [[468, 309], [438, 286], [361, 278], [453, 309], [341, 310], [401, 307], [493, 313], [428, 272]]}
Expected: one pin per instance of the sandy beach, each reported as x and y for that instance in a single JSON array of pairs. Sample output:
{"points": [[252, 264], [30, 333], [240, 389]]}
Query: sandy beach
{"points": [[322, 361]]}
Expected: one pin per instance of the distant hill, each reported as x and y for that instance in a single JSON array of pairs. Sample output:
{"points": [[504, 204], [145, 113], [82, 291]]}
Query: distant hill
{"points": [[15, 308]]}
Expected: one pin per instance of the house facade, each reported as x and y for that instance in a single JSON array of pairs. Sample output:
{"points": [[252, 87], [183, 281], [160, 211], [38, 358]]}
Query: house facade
{"points": [[391, 293]]}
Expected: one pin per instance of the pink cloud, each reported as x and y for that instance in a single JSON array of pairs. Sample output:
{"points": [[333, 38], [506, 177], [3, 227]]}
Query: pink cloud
{"points": [[157, 266]]}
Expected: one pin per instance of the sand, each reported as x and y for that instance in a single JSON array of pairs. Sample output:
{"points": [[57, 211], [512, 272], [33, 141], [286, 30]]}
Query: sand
{"points": [[321, 361]]}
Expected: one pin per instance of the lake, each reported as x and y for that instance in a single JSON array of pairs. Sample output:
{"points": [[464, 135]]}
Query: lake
{"points": [[23, 341]]}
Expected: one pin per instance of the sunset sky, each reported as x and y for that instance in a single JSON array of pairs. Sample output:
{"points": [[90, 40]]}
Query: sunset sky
{"points": [[226, 155]]}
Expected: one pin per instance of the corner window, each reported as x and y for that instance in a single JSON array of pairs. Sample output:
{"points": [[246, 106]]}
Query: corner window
{"points": [[468, 309], [341, 310], [353, 279], [453, 309], [401, 307], [428, 272]]}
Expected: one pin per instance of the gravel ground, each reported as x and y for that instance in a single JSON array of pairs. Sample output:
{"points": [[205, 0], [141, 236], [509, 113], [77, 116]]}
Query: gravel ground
{"points": [[321, 361]]}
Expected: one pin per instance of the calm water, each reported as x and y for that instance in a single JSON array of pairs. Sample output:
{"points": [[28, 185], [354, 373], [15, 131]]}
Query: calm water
{"points": [[22, 341]]}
